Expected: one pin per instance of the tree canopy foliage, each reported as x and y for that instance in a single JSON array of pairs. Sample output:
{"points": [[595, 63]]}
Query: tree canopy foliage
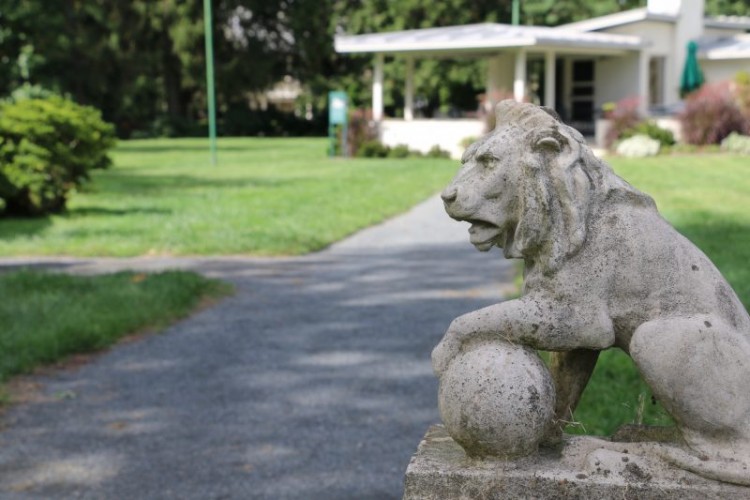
{"points": [[142, 61]]}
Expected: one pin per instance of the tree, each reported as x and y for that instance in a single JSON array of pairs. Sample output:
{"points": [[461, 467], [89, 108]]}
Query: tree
{"points": [[727, 8], [137, 60], [142, 61]]}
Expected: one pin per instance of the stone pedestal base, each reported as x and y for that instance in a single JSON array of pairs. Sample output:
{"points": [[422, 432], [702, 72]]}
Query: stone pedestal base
{"points": [[584, 467]]}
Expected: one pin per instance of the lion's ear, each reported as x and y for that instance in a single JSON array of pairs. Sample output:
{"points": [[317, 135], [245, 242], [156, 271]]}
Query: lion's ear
{"points": [[548, 140], [547, 144]]}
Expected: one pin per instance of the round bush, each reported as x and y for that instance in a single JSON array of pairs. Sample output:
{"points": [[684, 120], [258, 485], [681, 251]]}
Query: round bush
{"points": [[711, 114], [652, 130], [372, 149], [736, 143], [47, 148], [638, 146]]}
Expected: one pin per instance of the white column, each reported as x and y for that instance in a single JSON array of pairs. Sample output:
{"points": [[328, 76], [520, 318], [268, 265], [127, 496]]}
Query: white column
{"points": [[642, 90], [549, 80], [377, 89], [567, 79], [409, 93], [519, 79]]}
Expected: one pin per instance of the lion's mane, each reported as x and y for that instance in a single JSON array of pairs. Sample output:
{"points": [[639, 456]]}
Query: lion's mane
{"points": [[563, 183]]}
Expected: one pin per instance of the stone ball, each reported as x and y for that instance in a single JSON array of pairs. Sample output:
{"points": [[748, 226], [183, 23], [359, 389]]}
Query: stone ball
{"points": [[497, 399]]}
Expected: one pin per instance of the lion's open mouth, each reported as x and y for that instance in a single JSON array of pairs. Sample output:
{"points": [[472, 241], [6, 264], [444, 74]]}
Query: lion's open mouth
{"points": [[483, 234]]}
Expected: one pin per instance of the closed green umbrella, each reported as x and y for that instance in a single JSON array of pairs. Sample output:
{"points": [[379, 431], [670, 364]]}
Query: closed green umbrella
{"points": [[692, 76]]}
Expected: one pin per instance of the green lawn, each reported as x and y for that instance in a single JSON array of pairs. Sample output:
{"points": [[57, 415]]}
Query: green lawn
{"points": [[48, 316], [707, 198], [266, 197]]}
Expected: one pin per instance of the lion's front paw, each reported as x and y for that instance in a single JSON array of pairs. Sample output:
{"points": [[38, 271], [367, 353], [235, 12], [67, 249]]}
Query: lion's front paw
{"points": [[443, 354], [449, 347]]}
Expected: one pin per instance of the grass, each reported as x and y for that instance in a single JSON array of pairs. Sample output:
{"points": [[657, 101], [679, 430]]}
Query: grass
{"points": [[707, 198], [46, 317], [266, 197]]}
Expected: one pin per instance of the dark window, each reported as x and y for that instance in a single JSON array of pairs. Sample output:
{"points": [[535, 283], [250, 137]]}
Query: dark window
{"points": [[583, 90], [583, 111], [583, 71]]}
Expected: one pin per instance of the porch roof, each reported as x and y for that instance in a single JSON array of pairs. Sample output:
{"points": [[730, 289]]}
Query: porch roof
{"points": [[618, 19], [483, 37], [735, 47], [731, 22]]}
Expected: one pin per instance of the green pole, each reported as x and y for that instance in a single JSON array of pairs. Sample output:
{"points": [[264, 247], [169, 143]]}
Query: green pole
{"points": [[516, 12], [210, 92]]}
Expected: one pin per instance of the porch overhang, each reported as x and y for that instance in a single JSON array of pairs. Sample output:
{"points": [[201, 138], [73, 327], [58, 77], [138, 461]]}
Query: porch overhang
{"points": [[498, 43], [485, 37], [736, 47]]}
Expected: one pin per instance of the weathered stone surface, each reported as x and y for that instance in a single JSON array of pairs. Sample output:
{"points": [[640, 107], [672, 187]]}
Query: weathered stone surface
{"points": [[585, 467], [497, 399], [602, 269]]}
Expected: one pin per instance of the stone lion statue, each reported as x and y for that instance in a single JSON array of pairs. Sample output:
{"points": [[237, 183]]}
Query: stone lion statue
{"points": [[603, 269]]}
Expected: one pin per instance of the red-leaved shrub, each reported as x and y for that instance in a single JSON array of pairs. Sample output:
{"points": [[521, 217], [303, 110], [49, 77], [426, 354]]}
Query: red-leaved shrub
{"points": [[624, 117], [361, 130], [711, 113]]}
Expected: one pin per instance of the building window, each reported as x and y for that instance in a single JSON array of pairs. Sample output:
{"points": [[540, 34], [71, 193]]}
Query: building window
{"points": [[656, 81], [582, 96]]}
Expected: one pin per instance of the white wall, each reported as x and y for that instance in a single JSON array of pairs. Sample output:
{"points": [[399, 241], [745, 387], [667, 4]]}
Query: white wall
{"points": [[717, 71], [661, 37], [615, 78], [424, 134], [659, 34], [500, 72], [721, 32]]}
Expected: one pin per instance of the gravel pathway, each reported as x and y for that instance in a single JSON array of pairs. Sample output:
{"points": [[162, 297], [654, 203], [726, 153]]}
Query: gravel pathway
{"points": [[312, 382]]}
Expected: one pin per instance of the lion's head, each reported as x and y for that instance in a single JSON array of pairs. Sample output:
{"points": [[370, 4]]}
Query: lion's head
{"points": [[527, 187]]}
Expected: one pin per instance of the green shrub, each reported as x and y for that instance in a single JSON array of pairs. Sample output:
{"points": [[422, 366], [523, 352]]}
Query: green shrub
{"points": [[28, 91], [372, 149], [468, 141], [652, 130], [437, 152], [47, 148], [400, 151], [736, 143]]}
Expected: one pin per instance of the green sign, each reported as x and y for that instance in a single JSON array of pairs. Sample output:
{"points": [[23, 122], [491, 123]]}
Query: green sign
{"points": [[337, 120], [337, 108]]}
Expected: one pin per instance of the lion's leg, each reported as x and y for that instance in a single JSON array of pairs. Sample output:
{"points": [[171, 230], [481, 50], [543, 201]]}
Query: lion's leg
{"points": [[699, 368], [571, 371]]}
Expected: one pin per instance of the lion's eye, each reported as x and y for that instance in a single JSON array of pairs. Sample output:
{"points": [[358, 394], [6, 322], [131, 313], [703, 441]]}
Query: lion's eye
{"points": [[487, 159]]}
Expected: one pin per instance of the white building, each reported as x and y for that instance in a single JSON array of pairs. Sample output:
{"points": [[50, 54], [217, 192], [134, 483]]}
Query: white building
{"points": [[637, 53]]}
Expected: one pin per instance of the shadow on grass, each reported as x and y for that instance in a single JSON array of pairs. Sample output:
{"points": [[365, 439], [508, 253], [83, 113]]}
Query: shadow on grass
{"points": [[12, 267], [102, 211], [177, 147], [267, 144], [727, 244], [155, 183], [15, 227]]}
